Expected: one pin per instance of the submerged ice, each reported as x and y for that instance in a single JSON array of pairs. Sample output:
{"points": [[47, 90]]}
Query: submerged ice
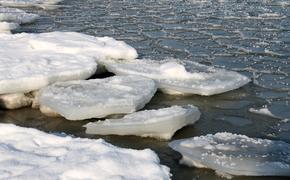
{"points": [[31, 154], [97, 98], [182, 77], [160, 123], [235, 154]]}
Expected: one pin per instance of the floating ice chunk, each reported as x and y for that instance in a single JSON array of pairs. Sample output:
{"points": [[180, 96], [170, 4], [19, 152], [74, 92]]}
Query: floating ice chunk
{"points": [[31, 154], [263, 111], [14, 101], [182, 77], [161, 123], [96, 98], [236, 154], [16, 16], [45, 4], [6, 27]]}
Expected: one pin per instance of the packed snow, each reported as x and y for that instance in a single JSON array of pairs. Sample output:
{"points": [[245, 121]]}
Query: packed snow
{"points": [[234, 154], [45, 4], [31, 61], [31, 154], [97, 98], [14, 101], [160, 123], [182, 77]]}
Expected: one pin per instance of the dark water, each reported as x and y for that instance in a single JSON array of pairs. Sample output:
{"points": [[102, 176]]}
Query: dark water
{"points": [[249, 36]]}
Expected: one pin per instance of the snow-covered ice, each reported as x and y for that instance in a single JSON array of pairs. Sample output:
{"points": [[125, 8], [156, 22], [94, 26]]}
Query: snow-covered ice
{"points": [[45, 4], [31, 154], [97, 98], [14, 101], [160, 123], [31, 61], [235, 154], [182, 77], [16, 16]]}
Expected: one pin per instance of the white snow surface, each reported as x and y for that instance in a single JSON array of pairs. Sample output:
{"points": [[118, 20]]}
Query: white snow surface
{"points": [[31, 61], [97, 98], [16, 16], [182, 77], [31, 154], [45, 4], [235, 154], [160, 123]]}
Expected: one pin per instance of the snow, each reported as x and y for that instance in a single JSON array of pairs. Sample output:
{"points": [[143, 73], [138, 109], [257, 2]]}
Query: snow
{"points": [[182, 77], [45, 4], [31, 154], [97, 98], [14, 101], [31, 61], [160, 123], [235, 154]]}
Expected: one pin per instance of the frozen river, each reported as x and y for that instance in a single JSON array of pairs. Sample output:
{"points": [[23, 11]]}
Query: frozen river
{"points": [[248, 36]]}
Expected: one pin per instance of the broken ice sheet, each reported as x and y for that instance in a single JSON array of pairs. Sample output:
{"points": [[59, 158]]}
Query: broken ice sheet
{"points": [[182, 77], [97, 98], [159, 123], [235, 154], [27, 153]]}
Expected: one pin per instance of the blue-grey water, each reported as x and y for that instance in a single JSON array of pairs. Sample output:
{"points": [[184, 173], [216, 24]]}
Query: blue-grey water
{"points": [[248, 36]]}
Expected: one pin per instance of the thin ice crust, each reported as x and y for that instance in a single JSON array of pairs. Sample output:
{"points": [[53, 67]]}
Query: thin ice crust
{"points": [[160, 123], [182, 77], [31, 154], [97, 98], [235, 154]]}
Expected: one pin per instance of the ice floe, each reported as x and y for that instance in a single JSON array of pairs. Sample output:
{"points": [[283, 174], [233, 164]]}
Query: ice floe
{"points": [[182, 77], [160, 123], [31, 154], [6, 27], [14, 101], [97, 98], [31, 61], [45, 4], [235, 154], [16, 16], [263, 111]]}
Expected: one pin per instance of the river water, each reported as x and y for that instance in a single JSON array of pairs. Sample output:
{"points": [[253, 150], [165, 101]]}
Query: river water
{"points": [[248, 36]]}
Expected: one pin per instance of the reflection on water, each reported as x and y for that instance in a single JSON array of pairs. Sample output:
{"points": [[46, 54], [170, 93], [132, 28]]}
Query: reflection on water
{"points": [[249, 36]]}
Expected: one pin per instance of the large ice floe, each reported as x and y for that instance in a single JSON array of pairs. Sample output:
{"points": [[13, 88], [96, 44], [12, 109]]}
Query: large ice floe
{"points": [[182, 77], [45, 4], [160, 124], [31, 154], [97, 98], [233, 154], [31, 61]]}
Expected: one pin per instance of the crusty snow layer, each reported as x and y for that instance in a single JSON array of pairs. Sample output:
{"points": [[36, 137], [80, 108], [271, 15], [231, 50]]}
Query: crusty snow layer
{"points": [[236, 154], [16, 16], [46, 4], [160, 123], [96, 98], [31, 154], [31, 61], [182, 77]]}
